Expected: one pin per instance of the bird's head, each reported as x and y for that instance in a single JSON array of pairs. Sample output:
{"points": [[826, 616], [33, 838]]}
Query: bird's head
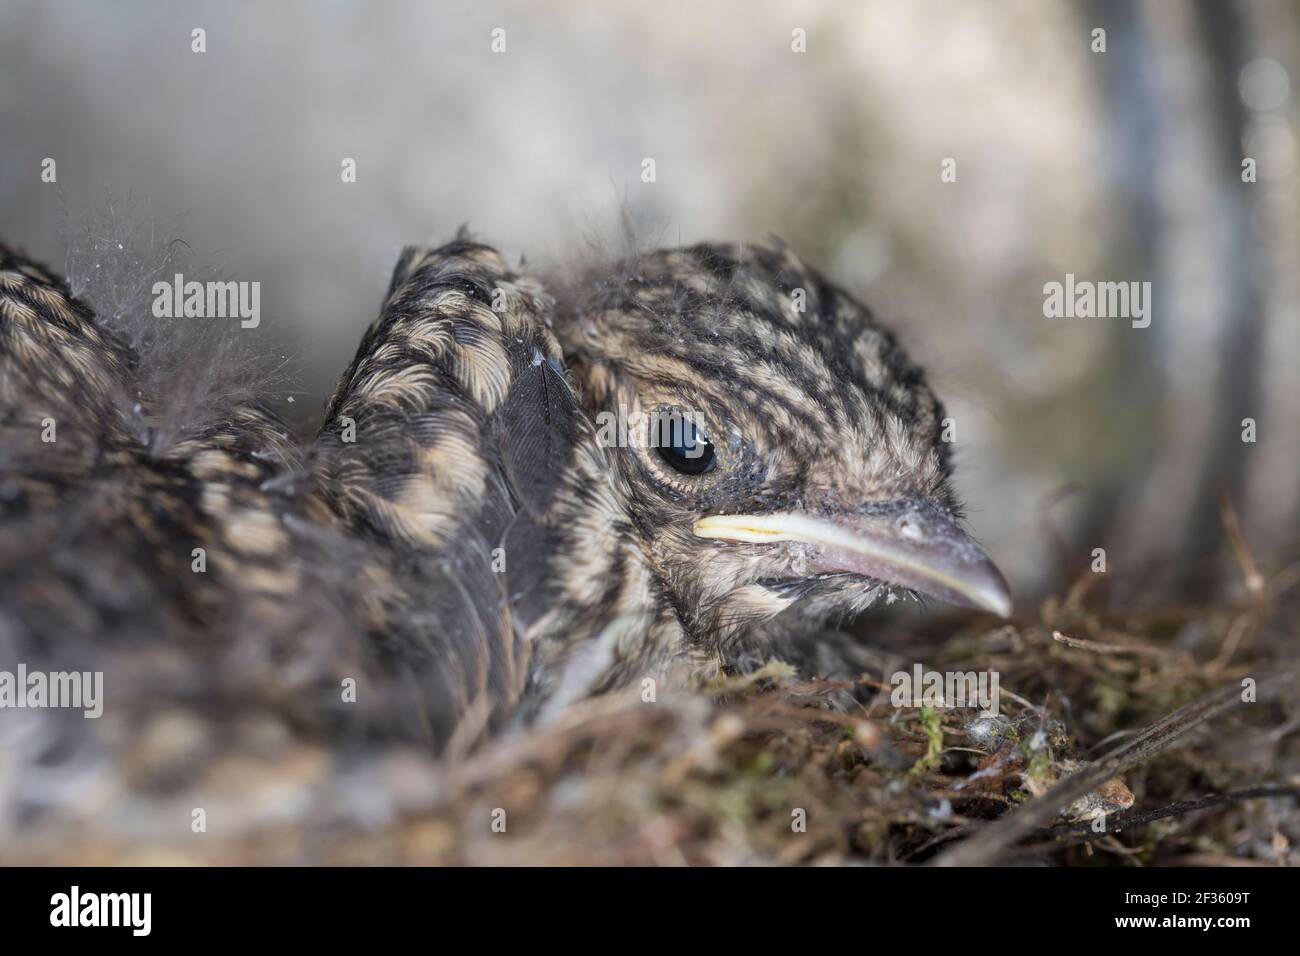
{"points": [[772, 446]]}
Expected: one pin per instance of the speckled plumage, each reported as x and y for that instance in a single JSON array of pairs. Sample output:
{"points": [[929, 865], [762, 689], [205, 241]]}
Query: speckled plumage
{"points": [[458, 537]]}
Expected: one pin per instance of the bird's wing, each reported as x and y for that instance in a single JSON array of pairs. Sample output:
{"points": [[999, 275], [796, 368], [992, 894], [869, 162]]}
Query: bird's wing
{"points": [[425, 515], [244, 658], [446, 442], [108, 539]]}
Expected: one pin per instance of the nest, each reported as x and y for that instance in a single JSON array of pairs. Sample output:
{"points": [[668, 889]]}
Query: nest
{"points": [[1166, 737]]}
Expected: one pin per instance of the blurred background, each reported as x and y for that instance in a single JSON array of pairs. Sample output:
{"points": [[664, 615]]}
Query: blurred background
{"points": [[1121, 165]]}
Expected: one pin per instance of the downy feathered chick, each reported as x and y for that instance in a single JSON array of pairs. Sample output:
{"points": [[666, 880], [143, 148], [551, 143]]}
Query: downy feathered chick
{"points": [[466, 538]]}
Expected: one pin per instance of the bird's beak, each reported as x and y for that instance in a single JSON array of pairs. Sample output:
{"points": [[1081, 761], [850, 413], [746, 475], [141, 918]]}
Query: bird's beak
{"points": [[912, 545]]}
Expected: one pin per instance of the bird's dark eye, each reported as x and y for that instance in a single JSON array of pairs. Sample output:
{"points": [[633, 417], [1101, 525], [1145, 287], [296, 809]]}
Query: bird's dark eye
{"points": [[682, 445]]}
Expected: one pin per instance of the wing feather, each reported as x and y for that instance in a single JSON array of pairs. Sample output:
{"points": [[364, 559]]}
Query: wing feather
{"points": [[454, 424]]}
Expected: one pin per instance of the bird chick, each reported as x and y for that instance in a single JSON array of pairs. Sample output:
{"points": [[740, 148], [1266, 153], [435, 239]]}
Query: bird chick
{"points": [[497, 554], [794, 470]]}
